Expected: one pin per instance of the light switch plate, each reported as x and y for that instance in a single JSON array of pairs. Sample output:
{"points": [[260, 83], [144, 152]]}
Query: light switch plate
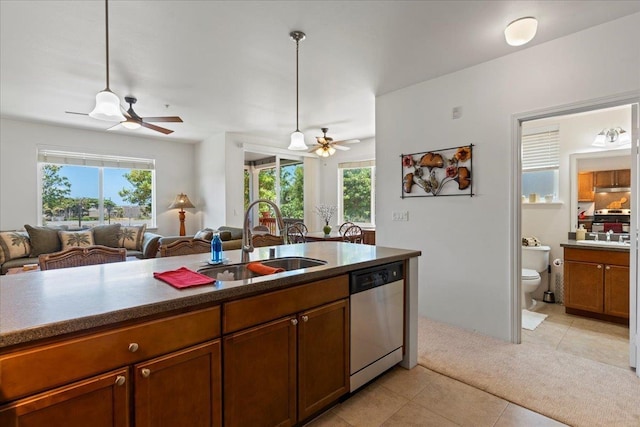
{"points": [[400, 216]]}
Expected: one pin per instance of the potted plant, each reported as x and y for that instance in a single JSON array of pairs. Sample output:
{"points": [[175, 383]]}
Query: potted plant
{"points": [[326, 212]]}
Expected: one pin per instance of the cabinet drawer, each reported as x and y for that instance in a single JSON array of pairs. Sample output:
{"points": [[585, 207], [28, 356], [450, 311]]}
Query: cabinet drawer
{"points": [[262, 308], [601, 257], [28, 371]]}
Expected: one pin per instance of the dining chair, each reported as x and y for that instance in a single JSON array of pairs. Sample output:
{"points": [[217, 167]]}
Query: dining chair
{"points": [[302, 227], [344, 226], [79, 256], [353, 234], [296, 234], [185, 247]]}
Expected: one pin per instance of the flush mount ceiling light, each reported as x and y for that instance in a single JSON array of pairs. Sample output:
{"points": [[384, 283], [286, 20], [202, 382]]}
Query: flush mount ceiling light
{"points": [[521, 31], [612, 136], [107, 103], [297, 137]]}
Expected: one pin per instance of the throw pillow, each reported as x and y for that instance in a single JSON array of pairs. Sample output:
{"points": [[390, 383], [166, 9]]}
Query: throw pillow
{"points": [[205, 234], [131, 237], [44, 240], [107, 235], [225, 235], [236, 233], [14, 244], [72, 239]]}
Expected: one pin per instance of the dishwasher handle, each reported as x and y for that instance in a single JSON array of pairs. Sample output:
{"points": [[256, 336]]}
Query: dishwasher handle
{"points": [[362, 280]]}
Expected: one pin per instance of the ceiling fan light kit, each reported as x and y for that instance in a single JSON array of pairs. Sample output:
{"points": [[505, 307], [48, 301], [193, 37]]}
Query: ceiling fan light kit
{"points": [[107, 103], [297, 137]]}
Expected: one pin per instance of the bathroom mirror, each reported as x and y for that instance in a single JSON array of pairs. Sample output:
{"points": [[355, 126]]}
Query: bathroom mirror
{"points": [[590, 162]]}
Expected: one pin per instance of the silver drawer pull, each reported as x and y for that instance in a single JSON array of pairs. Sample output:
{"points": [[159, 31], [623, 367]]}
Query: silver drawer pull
{"points": [[607, 268], [305, 318], [133, 347], [599, 266], [120, 380], [145, 372], [294, 321]]}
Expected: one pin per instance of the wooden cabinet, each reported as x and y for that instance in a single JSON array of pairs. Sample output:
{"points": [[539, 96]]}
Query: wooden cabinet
{"points": [[65, 377], [614, 178], [369, 237], [282, 371], [585, 187], [100, 401], [596, 282]]}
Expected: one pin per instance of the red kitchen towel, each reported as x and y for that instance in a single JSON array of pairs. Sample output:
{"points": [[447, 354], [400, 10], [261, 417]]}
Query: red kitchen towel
{"points": [[183, 278], [615, 226], [263, 270]]}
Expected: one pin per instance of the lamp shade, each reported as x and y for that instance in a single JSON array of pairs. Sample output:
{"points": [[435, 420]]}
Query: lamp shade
{"points": [[107, 107], [297, 141], [521, 31], [181, 202]]}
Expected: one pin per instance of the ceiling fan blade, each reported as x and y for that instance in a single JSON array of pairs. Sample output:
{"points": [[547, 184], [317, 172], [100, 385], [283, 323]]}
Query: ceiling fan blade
{"points": [[162, 119], [321, 140], [347, 141], [114, 127], [340, 147], [156, 128], [80, 114]]}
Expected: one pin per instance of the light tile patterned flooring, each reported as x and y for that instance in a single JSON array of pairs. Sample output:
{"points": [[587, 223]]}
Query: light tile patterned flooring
{"points": [[421, 397]]}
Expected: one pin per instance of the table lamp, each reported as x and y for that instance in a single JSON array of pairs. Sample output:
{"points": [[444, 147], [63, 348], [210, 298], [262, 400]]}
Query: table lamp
{"points": [[181, 202]]}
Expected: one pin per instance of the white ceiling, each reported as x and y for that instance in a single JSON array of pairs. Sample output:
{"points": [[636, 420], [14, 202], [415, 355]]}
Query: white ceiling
{"points": [[229, 66]]}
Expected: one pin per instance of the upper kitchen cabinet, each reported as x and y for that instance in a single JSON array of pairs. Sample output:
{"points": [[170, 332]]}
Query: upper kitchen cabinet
{"points": [[614, 178], [585, 187]]}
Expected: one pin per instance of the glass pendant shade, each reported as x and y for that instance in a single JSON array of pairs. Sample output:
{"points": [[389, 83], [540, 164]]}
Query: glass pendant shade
{"points": [[332, 151], [521, 31], [297, 141], [107, 107]]}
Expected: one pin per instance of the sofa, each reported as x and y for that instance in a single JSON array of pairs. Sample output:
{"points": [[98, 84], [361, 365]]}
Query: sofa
{"points": [[19, 248], [231, 237]]}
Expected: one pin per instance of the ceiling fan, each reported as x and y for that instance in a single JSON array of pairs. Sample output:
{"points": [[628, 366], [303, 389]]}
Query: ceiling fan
{"points": [[134, 121], [326, 146]]}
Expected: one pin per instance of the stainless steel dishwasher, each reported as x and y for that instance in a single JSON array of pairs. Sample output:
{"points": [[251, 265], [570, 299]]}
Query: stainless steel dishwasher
{"points": [[377, 315]]}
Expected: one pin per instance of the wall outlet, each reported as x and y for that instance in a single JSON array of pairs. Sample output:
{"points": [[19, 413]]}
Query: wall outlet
{"points": [[400, 216]]}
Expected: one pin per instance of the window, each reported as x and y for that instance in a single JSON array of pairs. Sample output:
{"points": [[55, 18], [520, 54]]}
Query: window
{"points": [[82, 190], [356, 192], [540, 161]]}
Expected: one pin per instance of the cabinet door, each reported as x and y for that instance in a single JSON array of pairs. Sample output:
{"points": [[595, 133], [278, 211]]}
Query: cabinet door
{"points": [[605, 178], [100, 401], [616, 291], [583, 286], [623, 178], [323, 357], [260, 375], [181, 388], [585, 187]]}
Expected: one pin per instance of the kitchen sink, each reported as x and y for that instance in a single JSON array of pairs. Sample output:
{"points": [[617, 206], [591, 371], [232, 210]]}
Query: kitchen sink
{"points": [[614, 244], [232, 272]]}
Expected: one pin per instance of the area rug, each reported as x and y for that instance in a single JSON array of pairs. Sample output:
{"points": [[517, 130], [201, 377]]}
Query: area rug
{"points": [[531, 320], [567, 388]]}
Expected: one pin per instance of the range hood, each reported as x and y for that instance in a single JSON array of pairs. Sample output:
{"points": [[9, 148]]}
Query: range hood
{"points": [[612, 189]]}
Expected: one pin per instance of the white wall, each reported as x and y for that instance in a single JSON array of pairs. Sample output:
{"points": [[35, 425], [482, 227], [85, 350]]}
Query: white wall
{"points": [[465, 267], [551, 222], [211, 180], [18, 168]]}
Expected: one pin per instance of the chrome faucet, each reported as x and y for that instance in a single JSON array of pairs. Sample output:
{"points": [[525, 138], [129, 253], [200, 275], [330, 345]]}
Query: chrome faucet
{"points": [[595, 236], [609, 233], [247, 242]]}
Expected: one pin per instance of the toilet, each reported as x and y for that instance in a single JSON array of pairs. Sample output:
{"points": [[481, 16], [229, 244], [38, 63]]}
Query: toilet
{"points": [[535, 260]]}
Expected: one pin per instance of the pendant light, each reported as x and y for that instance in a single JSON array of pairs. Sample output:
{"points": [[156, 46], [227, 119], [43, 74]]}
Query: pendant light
{"points": [[107, 103], [297, 137]]}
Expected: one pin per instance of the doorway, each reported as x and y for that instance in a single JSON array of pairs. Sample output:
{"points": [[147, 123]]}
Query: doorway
{"points": [[527, 119]]}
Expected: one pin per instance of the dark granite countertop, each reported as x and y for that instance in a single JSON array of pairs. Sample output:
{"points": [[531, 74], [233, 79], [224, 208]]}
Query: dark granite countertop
{"points": [[44, 304], [614, 246]]}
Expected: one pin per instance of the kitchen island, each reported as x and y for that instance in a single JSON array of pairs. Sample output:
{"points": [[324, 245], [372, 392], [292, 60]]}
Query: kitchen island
{"points": [[132, 345]]}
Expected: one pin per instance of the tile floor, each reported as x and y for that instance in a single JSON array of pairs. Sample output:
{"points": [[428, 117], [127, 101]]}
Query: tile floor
{"points": [[421, 397]]}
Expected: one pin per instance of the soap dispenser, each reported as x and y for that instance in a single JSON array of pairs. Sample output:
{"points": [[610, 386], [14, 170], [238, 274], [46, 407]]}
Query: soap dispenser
{"points": [[581, 233]]}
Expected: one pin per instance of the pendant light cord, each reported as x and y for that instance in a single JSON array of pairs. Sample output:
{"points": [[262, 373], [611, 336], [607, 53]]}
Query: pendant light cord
{"points": [[106, 13], [297, 90]]}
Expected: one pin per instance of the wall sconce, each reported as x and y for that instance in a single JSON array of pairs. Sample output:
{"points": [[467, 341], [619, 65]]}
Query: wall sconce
{"points": [[181, 202], [607, 137]]}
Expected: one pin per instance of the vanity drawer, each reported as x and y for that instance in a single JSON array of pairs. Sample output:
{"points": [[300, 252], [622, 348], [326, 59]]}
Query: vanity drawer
{"points": [[252, 311], [28, 371]]}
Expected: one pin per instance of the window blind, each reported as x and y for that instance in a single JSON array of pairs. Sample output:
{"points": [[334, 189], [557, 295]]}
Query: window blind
{"points": [[541, 150], [354, 165], [96, 160]]}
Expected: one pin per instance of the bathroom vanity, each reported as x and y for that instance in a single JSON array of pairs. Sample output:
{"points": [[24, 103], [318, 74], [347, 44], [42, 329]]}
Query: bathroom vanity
{"points": [[111, 344], [596, 280]]}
